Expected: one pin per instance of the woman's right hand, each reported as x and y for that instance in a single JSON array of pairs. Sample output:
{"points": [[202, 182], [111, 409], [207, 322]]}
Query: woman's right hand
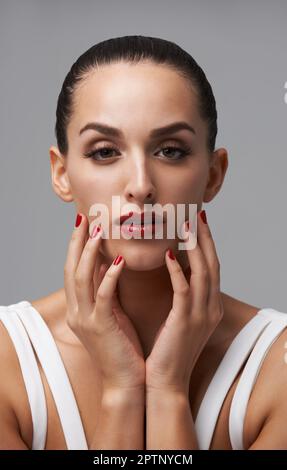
{"points": [[95, 314]]}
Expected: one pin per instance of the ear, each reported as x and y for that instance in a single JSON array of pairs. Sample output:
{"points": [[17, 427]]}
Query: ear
{"points": [[60, 180], [217, 170]]}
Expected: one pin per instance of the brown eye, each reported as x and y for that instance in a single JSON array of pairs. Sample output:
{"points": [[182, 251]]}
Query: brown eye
{"points": [[172, 150], [103, 151]]}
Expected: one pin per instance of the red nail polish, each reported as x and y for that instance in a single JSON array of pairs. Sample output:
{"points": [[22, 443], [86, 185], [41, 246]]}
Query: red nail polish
{"points": [[78, 220], [96, 230], [118, 259], [203, 216], [170, 254]]}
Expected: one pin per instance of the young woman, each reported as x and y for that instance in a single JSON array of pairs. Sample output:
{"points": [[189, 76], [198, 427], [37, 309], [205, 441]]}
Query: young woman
{"points": [[140, 349]]}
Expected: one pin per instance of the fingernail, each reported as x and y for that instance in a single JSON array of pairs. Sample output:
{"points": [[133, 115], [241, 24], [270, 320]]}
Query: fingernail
{"points": [[170, 254], [78, 220], [117, 260], [96, 229], [203, 216]]}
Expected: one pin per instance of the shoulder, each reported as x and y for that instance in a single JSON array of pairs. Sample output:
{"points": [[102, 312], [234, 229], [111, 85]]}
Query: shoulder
{"points": [[53, 309], [270, 394], [15, 413], [266, 412], [8, 356], [274, 369], [16, 427], [15, 418]]}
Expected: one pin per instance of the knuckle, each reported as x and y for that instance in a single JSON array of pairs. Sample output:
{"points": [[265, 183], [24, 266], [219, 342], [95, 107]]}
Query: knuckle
{"points": [[177, 269], [79, 280], [184, 290], [204, 274], [89, 247], [215, 310], [101, 295], [109, 274], [77, 323]]}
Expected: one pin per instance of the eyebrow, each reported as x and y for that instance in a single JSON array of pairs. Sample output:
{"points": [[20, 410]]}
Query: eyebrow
{"points": [[161, 131]]}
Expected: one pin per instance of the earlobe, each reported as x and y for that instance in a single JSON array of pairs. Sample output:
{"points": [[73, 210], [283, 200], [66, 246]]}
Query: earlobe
{"points": [[217, 172], [59, 177]]}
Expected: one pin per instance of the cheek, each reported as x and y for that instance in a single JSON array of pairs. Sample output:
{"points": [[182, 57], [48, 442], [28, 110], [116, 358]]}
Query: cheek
{"points": [[88, 186], [189, 186]]}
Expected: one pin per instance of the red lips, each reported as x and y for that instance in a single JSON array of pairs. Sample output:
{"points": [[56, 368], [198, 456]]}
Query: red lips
{"points": [[140, 218]]}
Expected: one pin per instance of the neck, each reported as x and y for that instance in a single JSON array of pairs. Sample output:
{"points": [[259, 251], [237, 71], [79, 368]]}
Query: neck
{"points": [[146, 297]]}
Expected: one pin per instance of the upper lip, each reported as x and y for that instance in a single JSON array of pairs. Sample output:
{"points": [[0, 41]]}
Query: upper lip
{"points": [[138, 218]]}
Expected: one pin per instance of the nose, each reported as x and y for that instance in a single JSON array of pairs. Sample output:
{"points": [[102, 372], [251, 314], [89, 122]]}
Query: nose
{"points": [[139, 188]]}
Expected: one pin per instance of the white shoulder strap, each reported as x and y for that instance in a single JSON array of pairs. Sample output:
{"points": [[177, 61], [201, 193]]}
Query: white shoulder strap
{"points": [[224, 376], [31, 374], [57, 378], [249, 375]]}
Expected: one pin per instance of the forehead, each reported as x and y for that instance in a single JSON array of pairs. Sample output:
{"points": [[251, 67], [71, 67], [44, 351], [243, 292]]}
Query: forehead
{"points": [[141, 94]]}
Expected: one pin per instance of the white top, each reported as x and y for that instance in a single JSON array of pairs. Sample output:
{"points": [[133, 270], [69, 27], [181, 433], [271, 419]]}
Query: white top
{"points": [[27, 328]]}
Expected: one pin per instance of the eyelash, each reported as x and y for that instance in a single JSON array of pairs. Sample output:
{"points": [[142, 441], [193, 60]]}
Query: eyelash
{"points": [[184, 152]]}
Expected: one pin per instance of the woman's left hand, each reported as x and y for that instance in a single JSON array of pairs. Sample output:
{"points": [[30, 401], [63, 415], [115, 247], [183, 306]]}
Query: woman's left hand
{"points": [[196, 311]]}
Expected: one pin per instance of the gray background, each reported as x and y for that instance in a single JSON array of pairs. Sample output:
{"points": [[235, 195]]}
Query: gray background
{"points": [[242, 48]]}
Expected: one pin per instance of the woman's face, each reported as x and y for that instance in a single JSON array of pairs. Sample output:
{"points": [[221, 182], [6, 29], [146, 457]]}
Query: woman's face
{"points": [[136, 167]]}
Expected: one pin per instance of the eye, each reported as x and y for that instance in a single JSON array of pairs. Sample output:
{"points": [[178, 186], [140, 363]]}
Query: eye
{"points": [[94, 153], [103, 152], [182, 152]]}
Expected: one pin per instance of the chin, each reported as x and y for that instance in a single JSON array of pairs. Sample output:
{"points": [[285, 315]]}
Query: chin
{"points": [[138, 255], [147, 265]]}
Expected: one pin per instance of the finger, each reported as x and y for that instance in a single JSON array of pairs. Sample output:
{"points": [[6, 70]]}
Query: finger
{"points": [[99, 275], [208, 247], [74, 252], [100, 266], [88, 269], [181, 297], [199, 280], [103, 269], [105, 295]]}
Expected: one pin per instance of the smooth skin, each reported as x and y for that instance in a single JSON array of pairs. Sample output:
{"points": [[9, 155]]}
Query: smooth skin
{"points": [[196, 311], [96, 317], [104, 329], [147, 287]]}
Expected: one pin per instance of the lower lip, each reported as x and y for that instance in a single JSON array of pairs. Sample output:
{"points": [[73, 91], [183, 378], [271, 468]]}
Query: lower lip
{"points": [[139, 229]]}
